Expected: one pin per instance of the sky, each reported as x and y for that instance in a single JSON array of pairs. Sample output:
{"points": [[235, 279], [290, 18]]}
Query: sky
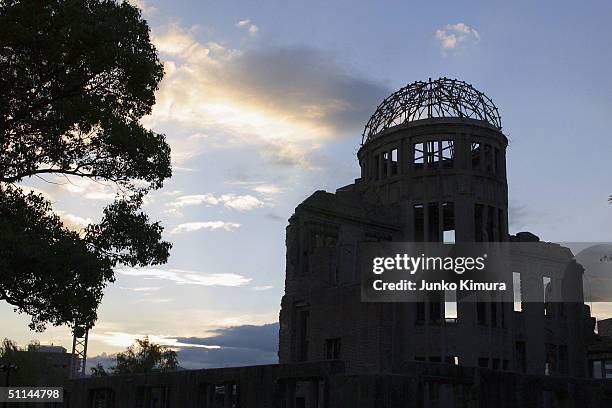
{"points": [[264, 103]]}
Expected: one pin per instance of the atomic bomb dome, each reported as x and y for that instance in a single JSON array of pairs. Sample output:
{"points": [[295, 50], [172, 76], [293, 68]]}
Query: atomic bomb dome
{"points": [[442, 98]]}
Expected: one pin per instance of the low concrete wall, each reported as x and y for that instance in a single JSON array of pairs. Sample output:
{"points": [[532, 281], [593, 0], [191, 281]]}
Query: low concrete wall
{"points": [[326, 385]]}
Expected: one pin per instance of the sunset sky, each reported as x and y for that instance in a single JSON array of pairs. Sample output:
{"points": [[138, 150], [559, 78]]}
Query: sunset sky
{"points": [[264, 102]]}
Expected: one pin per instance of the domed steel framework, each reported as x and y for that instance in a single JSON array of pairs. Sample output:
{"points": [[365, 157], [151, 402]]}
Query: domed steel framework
{"points": [[434, 99]]}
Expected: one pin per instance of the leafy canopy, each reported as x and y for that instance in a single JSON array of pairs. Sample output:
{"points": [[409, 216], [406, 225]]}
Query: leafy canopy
{"points": [[76, 77]]}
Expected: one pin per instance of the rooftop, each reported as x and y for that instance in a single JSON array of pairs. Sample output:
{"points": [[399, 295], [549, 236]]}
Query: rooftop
{"points": [[442, 98]]}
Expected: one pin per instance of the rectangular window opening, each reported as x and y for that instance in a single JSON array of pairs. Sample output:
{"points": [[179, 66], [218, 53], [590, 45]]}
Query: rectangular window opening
{"points": [[481, 313], [494, 314], [448, 216], [475, 150], [490, 224], [563, 359], [550, 366], [303, 319], [419, 155], [450, 306], [435, 308], [495, 364], [597, 369], [332, 348], [433, 154], [377, 167], [394, 162], [498, 163], [420, 313], [433, 219], [521, 356], [419, 222], [323, 239], [518, 295], [547, 284], [478, 222], [385, 164], [488, 150], [448, 154]]}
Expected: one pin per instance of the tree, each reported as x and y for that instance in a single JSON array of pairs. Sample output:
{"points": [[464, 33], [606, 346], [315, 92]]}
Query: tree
{"points": [[142, 357], [76, 77], [98, 371]]}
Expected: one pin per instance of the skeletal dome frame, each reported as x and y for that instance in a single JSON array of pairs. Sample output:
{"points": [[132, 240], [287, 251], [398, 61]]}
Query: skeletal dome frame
{"points": [[433, 99]]}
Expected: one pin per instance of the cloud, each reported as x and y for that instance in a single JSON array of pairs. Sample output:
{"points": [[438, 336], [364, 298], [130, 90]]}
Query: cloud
{"points": [[189, 147], [226, 347], [144, 6], [247, 25], [267, 189], [122, 339], [106, 360], [27, 189], [183, 277], [208, 225], [194, 358], [452, 36], [275, 217], [146, 289], [262, 288], [263, 337], [284, 101], [73, 222], [236, 346], [154, 300], [233, 201], [241, 202], [523, 218], [88, 188], [194, 199]]}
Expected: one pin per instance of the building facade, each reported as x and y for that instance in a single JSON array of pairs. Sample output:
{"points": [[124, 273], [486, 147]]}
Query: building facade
{"points": [[433, 169]]}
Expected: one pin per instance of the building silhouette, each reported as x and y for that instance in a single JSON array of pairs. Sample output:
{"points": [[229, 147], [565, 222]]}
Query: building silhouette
{"points": [[433, 169]]}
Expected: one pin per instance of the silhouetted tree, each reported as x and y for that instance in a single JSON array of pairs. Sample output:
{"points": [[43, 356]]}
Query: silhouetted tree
{"points": [[98, 371], [143, 356], [76, 76]]}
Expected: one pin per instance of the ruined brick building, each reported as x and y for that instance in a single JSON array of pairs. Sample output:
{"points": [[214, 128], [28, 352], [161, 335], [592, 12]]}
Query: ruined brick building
{"points": [[433, 168]]}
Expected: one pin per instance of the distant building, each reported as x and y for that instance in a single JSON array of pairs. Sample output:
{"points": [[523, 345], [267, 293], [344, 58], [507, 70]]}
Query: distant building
{"points": [[39, 366], [56, 357]]}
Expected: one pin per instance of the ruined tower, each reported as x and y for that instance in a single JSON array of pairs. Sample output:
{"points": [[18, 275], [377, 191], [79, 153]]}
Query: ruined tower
{"points": [[433, 169]]}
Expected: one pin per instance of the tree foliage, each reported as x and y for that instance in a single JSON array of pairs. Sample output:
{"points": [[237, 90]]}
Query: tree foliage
{"points": [[76, 77], [144, 356]]}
